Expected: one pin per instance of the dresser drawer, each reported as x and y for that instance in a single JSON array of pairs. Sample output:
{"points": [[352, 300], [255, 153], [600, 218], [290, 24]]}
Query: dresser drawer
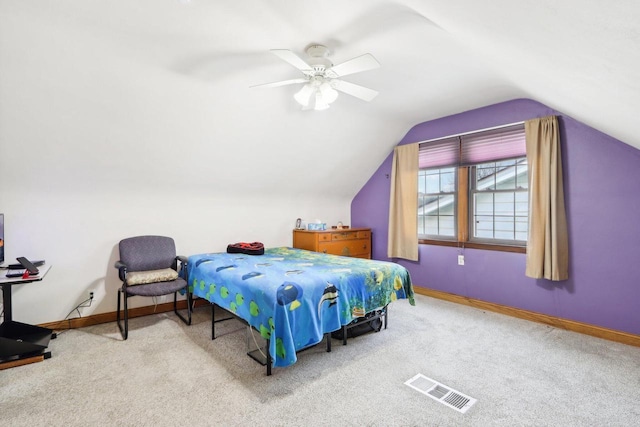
{"points": [[364, 234], [346, 248], [344, 235], [324, 237]]}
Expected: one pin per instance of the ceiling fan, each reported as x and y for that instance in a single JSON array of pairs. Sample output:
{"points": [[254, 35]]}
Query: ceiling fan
{"points": [[322, 79]]}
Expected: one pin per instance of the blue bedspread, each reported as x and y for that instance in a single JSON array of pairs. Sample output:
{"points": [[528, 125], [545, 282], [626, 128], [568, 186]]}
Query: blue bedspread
{"points": [[293, 296]]}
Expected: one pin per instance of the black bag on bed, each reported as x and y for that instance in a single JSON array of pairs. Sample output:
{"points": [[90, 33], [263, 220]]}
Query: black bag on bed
{"points": [[255, 248]]}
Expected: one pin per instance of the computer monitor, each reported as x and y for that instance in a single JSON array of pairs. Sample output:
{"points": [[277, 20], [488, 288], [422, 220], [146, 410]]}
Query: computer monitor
{"points": [[1, 238]]}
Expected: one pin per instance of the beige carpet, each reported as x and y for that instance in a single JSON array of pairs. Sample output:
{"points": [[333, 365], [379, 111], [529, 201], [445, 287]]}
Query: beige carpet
{"points": [[167, 374]]}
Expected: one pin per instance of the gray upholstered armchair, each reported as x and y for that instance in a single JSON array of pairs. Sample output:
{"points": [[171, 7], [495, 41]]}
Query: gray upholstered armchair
{"points": [[148, 267]]}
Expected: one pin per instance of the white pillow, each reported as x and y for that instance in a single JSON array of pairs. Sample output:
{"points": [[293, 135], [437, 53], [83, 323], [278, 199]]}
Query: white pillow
{"points": [[151, 276]]}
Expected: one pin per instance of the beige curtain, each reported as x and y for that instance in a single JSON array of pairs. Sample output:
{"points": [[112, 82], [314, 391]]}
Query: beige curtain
{"points": [[403, 203], [547, 246]]}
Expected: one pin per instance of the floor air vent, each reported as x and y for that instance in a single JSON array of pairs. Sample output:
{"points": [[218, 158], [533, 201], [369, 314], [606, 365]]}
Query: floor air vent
{"points": [[441, 393]]}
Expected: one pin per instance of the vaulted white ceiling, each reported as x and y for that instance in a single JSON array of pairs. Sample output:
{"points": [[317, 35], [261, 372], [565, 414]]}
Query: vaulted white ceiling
{"points": [[134, 85]]}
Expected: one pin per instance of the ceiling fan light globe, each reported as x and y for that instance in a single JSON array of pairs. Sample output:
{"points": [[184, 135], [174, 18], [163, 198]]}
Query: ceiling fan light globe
{"points": [[321, 104], [329, 94], [303, 96]]}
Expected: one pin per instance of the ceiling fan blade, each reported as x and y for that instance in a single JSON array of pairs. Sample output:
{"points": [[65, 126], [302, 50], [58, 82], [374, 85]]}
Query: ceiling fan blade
{"points": [[292, 58], [353, 89], [359, 63], [282, 83]]}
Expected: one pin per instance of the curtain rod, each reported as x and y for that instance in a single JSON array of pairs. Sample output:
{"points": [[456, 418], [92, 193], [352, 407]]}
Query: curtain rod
{"points": [[470, 132]]}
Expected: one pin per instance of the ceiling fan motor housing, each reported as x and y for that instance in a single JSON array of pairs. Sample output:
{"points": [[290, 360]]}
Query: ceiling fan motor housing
{"points": [[318, 58]]}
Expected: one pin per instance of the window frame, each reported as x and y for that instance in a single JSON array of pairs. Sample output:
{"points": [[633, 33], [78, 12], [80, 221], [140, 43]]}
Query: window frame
{"points": [[464, 215], [470, 193], [455, 205]]}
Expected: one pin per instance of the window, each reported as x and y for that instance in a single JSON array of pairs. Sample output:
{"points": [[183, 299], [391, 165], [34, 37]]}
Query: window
{"points": [[437, 202], [499, 201], [473, 189]]}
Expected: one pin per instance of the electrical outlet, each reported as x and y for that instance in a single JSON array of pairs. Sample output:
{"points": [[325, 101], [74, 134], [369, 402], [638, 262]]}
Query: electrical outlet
{"points": [[460, 259], [90, 295]]}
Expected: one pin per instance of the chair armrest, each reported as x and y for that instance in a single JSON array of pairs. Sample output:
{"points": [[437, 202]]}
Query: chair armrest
{"points": [[183, 265], [122, 270]]}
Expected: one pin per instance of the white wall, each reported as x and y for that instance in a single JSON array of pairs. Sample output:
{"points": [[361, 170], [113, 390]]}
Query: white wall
{"points": [[78, 234]]}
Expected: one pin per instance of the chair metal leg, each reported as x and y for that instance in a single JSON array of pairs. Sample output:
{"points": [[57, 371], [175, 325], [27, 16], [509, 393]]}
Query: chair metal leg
{"points": [[126, 314], [123, 331], [175, 307]]}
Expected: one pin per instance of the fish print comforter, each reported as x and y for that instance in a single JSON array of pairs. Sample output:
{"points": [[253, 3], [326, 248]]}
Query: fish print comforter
{"points": [[293, 296]]}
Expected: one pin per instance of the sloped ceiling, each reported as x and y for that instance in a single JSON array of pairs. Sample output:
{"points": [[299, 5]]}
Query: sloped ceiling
{"points": [[133, 84]]}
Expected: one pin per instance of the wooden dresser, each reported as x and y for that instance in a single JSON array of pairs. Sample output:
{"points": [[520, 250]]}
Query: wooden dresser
{"points": [[353, 242]]}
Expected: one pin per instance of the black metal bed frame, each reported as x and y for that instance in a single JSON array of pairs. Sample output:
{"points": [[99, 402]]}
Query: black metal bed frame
{"points": [[382, 313], [268, 362]]}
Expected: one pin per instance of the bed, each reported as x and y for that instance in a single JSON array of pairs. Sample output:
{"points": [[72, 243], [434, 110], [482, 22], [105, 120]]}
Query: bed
{"points": [[293, 297]]}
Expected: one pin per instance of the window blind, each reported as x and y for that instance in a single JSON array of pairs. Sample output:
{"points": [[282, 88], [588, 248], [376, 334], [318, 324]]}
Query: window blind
{"points": [[498, 144], [473, 148], [439, 153]]}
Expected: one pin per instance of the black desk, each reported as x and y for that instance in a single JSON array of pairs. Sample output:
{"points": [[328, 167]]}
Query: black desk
{"points": [[21, 341]]}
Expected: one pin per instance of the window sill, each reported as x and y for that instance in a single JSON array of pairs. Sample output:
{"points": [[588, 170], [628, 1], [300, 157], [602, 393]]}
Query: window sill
{"points": [[472, 245]]}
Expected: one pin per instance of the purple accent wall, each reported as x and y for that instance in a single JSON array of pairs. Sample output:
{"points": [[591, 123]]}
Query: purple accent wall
{"points": [[602, 196]]}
